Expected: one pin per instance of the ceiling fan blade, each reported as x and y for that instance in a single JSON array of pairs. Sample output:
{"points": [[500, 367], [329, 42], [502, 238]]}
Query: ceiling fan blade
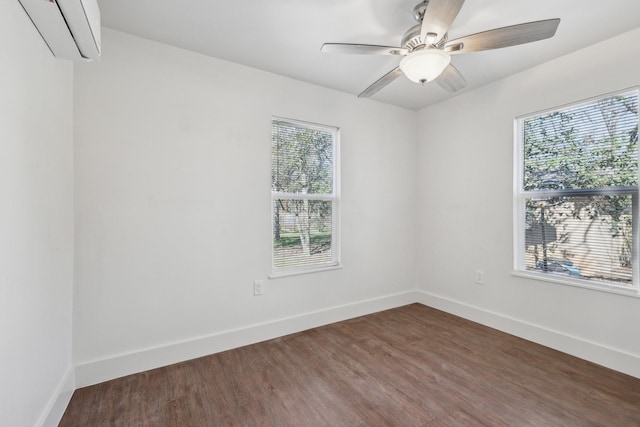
{"points": [[451, 80], [362, 49], [437, 19], [504, 37], [381, 82]]}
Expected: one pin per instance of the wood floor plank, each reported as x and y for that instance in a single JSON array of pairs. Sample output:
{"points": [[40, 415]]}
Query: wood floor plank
{"points": [[410, 366]]}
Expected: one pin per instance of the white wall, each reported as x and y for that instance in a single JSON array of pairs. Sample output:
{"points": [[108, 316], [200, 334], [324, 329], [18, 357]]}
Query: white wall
{"points": [[36, 225], [172, 210], [465, 207], [173, 205]]}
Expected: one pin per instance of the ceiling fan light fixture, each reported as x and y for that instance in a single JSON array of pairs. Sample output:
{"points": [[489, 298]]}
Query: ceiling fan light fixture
{"points": [[425, 65]]}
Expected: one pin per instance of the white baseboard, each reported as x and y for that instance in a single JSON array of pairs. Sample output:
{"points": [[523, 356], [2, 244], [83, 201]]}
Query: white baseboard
{"points": [[98, 371], [125, 364], [58, 402], [593, 352]]}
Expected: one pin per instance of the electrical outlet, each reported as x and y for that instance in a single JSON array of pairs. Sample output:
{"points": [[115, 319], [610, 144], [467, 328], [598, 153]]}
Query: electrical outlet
{"points": [[258, 287], [480, 277]]}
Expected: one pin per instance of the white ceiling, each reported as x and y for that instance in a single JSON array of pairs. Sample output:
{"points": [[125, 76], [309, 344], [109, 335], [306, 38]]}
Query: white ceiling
{"points": [[285, 36]]}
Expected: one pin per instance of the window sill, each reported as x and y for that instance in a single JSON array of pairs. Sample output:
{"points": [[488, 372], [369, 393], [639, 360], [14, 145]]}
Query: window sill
{"points": [[550, 277], [287, 273]]}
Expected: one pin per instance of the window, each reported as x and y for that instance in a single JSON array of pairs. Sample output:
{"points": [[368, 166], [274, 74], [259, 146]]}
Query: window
{"points": [[576, 194], [304, 195]]}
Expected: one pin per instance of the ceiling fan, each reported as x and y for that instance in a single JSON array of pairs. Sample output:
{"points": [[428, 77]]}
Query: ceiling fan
{"points": [[427, 50]]}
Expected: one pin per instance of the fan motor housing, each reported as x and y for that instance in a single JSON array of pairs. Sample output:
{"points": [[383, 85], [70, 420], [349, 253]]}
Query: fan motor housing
{"points": [[412, 40]]}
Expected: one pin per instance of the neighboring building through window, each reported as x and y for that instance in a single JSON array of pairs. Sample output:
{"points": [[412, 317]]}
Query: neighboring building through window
{"points": [[576, 193], [304, 193]]}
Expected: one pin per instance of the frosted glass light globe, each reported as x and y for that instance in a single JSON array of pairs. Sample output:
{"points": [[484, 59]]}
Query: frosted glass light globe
{"points": [[425, 65]]}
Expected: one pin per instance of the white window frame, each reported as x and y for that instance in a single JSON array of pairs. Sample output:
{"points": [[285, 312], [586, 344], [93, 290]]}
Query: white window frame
{"points": [[334, 198], [519, 211]]}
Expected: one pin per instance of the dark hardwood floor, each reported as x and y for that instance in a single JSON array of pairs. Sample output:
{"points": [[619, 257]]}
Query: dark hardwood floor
{"points": [[410, 366]]}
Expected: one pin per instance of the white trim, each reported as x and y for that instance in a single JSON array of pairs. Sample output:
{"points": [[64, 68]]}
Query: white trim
{"points": [[275, 274], [302, 123], [518, 207], [578, 283], [59, 400], [101, 370], [336, 213], [597, 353], [276, 195], [579, 103]]}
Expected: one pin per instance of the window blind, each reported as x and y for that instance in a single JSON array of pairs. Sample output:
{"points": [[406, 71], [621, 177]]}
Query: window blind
{"points": [[587, 146], [303, 178], [578, 191]]}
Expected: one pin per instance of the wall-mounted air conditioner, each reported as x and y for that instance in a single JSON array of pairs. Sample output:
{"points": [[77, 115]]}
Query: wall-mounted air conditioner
{"points": [[71, 28]]}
